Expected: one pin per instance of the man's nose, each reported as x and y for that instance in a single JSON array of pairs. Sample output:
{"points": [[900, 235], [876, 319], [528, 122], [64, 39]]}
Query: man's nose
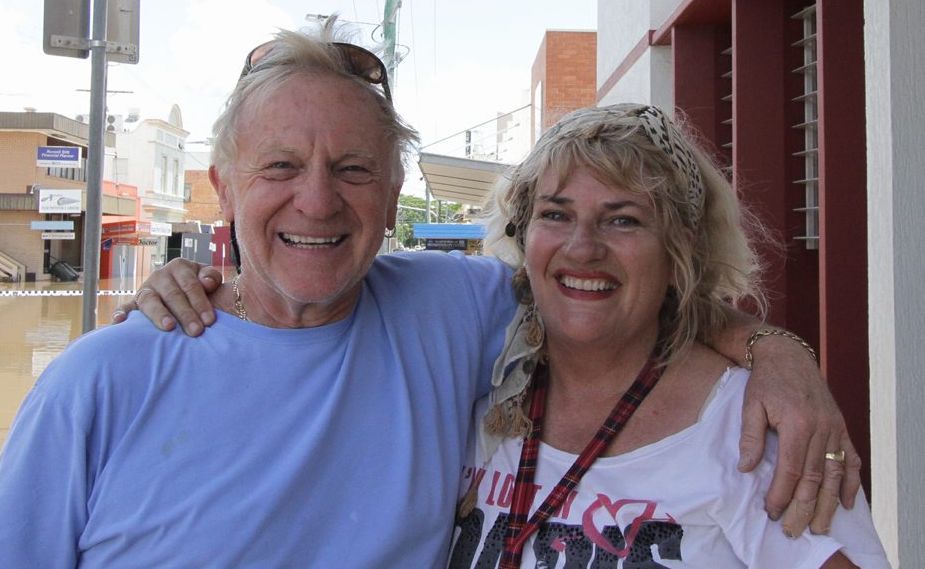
{"points": [[316, 194]]}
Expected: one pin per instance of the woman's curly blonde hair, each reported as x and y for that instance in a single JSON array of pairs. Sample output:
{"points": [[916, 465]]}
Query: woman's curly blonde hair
{"points": [[713, 262]]}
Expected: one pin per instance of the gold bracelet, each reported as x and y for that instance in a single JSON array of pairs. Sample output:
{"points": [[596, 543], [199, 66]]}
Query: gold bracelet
{"points": [[761, 332]]}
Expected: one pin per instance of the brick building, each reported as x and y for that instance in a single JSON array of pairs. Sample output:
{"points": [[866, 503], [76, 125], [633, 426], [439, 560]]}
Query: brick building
{"points": [[21, 135], [563, 78]]}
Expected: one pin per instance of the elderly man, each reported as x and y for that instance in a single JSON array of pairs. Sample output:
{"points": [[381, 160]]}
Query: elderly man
{"points": [[321, 422]]}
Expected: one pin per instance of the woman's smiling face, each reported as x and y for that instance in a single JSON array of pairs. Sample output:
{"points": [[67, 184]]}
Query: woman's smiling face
{"points": [[596, 260]]}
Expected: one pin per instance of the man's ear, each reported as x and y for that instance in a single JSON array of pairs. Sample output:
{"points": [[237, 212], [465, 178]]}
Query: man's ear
{"points": [[225, 199], [392, 213]]}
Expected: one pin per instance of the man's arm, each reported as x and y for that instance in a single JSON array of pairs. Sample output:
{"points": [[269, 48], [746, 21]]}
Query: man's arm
{"points": [[787, 393]]}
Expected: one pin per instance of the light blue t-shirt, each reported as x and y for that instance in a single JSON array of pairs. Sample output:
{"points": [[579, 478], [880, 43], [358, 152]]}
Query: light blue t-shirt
{"points": [[336, 446]]}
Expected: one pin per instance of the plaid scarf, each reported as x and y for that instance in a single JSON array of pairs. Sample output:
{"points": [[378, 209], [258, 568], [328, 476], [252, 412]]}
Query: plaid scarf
{"points": [[519, 528]]}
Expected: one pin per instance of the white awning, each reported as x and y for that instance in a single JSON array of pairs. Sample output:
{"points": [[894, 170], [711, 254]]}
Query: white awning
{"points": [[459, 180]]}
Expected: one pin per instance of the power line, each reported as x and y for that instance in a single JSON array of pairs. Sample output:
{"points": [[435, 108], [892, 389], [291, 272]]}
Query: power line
{"points": [[528, 105]]}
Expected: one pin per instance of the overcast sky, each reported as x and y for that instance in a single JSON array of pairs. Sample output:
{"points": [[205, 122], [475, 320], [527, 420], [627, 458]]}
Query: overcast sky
{"points": [[466, 59]]}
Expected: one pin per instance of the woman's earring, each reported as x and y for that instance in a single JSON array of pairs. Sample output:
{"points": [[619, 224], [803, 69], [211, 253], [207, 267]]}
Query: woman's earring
{"points": [[510, 229], [389, 232]]}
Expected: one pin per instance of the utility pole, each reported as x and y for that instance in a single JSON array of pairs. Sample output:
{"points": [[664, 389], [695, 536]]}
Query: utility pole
{"points": [[389, 34], [65, 34]]}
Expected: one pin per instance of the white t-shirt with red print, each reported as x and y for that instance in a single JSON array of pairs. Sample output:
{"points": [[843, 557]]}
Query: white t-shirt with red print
{"points": [[677, 503]]}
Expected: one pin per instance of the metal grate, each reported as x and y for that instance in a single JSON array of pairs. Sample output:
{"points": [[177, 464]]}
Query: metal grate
{"points": [[809, 152]]}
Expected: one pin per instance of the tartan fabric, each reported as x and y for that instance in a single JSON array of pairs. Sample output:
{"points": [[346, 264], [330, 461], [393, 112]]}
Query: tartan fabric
{"points": [[519, 528]]}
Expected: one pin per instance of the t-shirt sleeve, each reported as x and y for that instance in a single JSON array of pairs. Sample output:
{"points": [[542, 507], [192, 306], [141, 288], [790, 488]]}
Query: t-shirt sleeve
{"points": [[759, 541], [493, 305], [43, 476]]}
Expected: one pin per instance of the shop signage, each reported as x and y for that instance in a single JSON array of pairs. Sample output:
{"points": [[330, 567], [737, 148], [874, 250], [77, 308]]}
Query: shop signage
{"points": [[59, 201], [57, 157], [445, 244], [57, 235], [52, 225], [161, 228]]}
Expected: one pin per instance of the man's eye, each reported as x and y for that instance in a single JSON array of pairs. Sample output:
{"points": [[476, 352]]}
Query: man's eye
{"points": [[355, 174]]}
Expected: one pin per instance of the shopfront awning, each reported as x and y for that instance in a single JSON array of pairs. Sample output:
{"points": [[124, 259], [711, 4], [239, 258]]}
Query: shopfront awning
{"points": [[459, 180]]}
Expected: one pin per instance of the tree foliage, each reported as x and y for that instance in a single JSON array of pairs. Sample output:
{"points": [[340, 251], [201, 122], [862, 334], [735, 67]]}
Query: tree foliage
{"points": [[411, 210]]}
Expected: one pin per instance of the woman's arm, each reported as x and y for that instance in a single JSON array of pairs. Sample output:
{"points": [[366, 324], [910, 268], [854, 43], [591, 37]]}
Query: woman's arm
{"points": [[787, 393], [178, 291]]}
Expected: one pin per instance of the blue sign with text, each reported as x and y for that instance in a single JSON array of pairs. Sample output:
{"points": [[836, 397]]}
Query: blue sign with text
{"points": [[58, 156]]}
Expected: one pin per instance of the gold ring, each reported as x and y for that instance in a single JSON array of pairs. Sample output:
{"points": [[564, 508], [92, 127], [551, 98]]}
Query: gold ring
{"points": [[837, 456]]}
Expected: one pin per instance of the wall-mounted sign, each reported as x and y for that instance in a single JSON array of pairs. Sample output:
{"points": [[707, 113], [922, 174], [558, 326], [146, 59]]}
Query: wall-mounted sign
{"points": [[57, 156], [161, 228], [57, 235], [445, 244], [52, 225], [59, 201]]}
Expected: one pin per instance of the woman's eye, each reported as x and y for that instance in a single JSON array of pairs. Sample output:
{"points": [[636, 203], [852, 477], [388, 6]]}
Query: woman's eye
{"points": [[553, 215], [624, 221]]}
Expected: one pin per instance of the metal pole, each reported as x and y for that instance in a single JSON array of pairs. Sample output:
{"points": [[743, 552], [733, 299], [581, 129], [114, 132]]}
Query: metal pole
{"points": [[389, 17], [94, 217]]}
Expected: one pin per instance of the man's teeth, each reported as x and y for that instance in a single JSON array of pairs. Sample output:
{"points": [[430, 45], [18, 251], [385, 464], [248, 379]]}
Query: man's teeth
{"points": [[592, 285], [306, 240]]}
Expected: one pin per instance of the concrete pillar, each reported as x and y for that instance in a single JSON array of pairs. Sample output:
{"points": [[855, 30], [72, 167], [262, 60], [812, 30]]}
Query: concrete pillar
{"points": [[895, 80]]}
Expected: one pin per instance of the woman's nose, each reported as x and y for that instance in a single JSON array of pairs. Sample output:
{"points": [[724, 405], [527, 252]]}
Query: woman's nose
{"points": [[585, 244]]}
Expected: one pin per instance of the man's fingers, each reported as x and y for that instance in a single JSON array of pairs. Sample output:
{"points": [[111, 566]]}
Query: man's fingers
{"points": [[851, 482], [827, 499], [793, 466], [797, 516], [751, 441]]}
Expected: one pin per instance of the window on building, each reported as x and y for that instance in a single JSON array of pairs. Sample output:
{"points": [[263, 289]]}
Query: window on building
{"points": [[809, 125], [175, 178], [163, 176]]}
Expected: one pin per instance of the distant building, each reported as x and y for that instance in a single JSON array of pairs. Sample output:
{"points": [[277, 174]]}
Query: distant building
{"points": [[564, 77], [202, 201], [151, 156], [26, 251]]}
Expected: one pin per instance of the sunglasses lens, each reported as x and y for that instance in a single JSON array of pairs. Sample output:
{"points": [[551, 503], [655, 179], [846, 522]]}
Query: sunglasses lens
{"points": [[363, 63]]}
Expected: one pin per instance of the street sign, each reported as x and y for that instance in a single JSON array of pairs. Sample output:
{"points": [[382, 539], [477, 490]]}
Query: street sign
{"points": [[52, 225], [122, 30], [57, 157], [59, 201], [67, 22], [57, 235]]}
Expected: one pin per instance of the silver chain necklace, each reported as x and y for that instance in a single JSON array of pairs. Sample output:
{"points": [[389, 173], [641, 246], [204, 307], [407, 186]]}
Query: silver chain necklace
{"points": [[239, 309]]}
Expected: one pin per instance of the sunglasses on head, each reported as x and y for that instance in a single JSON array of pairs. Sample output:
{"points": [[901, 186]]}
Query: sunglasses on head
{"points": [[362, 63]]}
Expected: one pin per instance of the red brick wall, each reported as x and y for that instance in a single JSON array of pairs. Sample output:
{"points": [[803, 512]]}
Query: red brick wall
{"points": [[566, 63], [203, 204]]}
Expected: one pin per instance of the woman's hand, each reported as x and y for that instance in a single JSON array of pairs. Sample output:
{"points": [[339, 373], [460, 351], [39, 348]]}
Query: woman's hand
{"points": [[178, 291], [787, 393]]}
